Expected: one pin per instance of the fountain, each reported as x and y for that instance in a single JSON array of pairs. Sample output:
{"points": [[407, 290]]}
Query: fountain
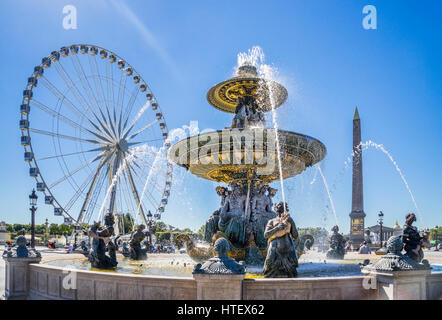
{"points": [[247, 157]]}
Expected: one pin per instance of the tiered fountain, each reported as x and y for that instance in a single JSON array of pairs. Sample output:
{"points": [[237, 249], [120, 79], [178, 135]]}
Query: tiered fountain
{"points": [[247, 157]]}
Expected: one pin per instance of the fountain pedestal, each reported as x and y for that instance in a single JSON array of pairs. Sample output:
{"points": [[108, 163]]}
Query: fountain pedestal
{"points": [[17, 273], [220, 277], [17, 277], [219, 286], [397, 277], [401, 285]]}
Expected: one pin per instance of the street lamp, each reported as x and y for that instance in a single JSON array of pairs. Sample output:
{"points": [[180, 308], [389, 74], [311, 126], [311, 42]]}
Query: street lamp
{"points": [[381, 236], [436, 227], [33, 203], [149, 222]]}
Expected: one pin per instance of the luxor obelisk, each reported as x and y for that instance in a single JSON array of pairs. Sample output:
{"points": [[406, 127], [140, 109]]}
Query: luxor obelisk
{"points": [[357, 214]]}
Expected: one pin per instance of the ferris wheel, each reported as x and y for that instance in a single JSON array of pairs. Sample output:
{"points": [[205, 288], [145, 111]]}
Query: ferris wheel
{"points": [[95, 137]]}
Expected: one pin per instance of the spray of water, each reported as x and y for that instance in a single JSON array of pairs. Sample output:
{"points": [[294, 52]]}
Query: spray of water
{"points": [[328, 192], [364, 146], [255, 57], [120, 169], [381, 148], [152, 169]]}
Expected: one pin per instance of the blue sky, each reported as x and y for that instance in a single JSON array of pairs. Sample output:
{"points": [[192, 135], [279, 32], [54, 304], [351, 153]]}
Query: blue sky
{"points": [[327, 61]]}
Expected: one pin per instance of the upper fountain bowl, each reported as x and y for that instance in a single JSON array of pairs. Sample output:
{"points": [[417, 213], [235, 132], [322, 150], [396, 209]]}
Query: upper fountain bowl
{"points": [[224, 95]]}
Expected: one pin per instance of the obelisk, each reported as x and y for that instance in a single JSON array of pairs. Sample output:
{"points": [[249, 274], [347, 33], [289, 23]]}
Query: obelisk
{"points": [[357, 214]]}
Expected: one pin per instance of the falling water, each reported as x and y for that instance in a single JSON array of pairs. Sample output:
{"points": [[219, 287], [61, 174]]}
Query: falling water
{"points": [[380, 147], [328, 192], [154, 164], [255, 57], [115, 178]]}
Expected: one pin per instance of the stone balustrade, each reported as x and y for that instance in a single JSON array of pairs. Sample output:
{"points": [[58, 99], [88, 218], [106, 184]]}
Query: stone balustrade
{"points": [[58, 283]]}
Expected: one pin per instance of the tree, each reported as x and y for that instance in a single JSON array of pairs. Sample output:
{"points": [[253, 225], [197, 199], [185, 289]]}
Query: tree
{"points": [[201, 232], [40, 228], [65, 229], [436, 236], [159, 226], [53, 228]]}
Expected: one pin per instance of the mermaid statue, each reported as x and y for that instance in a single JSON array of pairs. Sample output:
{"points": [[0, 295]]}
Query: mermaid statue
{"points": [[282, 259], [102, 242]]}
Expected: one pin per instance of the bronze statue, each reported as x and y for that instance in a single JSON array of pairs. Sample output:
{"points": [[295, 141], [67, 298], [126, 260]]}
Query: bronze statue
{"points": [[241, 112], [212, 224], [231, 221], [412, 239], [337, 245], [256, 115], [102, 242], [261, 213], [136, 238], [281, 260]]}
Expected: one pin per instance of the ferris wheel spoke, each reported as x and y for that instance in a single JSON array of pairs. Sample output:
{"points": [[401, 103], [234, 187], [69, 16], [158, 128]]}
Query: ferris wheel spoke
{"points": [[91, 205], [126, 194], [145, 141], [135, 194], [110, 87], [61, 97], [121, 90], [70, 174], [139, 131], [78, 192], [108, 135], [157, 169], [71, 85], [71, 154], [97, 79], [62, 136], [83, 80], [151, 199], [61, 117], [153, 183], [130, 104]]}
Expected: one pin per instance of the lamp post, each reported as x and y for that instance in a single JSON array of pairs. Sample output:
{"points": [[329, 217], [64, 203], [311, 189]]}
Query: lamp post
{"points": [[436, 227], [149, 222], [381, 236], [33, 203]]}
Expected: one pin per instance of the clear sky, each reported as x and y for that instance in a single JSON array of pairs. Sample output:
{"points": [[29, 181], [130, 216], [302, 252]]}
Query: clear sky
{"points": [[327, 60]]}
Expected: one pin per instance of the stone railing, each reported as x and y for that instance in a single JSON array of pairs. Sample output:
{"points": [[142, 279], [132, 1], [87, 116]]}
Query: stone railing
{"points": [[49, 282], [40, 281], [434, 286], [336, 288]]}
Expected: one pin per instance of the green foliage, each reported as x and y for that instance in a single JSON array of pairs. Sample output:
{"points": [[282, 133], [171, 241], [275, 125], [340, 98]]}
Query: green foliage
{"points": [[436, 236], [201, 231], [159, 226], [125, 222]]}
